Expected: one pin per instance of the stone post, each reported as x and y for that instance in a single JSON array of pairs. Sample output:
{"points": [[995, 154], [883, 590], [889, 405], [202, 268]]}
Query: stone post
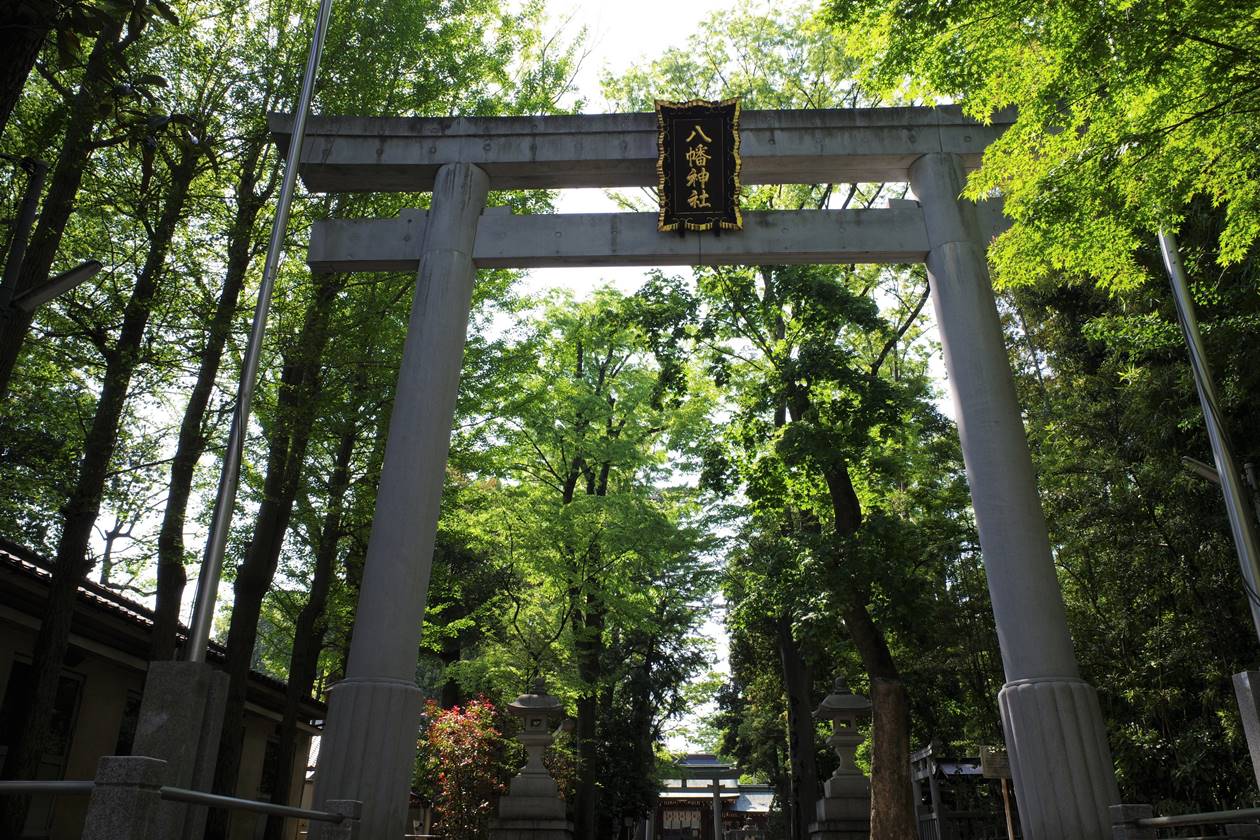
{"points": [[181, 716], [717, 807], [1124, 825], [533, 809], [369, 740], [124, 803], [1060, 761], [844, 812], [348, 828]]}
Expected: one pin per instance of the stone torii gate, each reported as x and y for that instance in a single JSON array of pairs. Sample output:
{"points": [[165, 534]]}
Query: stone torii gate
{"points": [[1061, 763]]}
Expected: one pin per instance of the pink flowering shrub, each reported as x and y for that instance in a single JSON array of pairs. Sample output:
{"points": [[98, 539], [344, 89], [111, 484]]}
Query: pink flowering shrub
{"points": [[461, 767]]}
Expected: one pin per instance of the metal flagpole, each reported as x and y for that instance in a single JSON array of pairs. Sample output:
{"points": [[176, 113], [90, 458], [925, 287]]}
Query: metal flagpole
{"points": [[229, 479], [1236, 506]]}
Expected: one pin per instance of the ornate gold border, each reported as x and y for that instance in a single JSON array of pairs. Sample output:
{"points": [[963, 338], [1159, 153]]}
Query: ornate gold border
{"points": [[738, 224]]}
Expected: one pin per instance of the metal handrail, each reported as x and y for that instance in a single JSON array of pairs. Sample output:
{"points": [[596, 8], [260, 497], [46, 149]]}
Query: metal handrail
{"points": [[216, 800], [1209, 818], [174, 794], [71, 788]]}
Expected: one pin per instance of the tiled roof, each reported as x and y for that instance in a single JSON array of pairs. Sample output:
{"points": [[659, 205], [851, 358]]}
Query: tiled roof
{"points": [[31, 565]]}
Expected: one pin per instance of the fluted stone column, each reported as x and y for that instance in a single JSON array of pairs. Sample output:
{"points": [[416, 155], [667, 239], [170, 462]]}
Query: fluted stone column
{"points": [[1060, 761], [368, 746]]}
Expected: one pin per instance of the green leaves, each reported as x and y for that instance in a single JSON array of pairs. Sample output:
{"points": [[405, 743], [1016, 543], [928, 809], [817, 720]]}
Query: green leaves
{"points": [[1127, 111]]}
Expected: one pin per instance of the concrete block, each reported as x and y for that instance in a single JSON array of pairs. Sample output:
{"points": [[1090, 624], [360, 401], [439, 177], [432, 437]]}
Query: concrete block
{"points": [[124, 803], [848, 787], [524, 829], [849, 809], [531, 808], [181, 716], [347, 829], [840, 830], [1124, 822]]}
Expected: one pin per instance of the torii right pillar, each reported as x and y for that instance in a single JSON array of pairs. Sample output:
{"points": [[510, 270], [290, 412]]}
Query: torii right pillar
{"points": [[1062, 768]]}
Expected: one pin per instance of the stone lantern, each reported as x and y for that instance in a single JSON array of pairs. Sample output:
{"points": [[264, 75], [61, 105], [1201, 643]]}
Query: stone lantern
{"points": [[532, 808], [844, 812]]}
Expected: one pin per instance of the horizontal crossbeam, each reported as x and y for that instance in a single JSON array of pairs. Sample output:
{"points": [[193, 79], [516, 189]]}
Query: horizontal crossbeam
{"points": [[504, 240], [399, 154]]}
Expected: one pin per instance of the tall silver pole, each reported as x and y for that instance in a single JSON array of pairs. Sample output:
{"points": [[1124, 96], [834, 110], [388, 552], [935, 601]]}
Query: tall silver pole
{"points": [[1236, 505], [229, 479]]}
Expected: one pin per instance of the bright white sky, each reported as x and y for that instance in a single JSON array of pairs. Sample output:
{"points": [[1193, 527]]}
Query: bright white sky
{"points": [[623, 34], [619, 35]]}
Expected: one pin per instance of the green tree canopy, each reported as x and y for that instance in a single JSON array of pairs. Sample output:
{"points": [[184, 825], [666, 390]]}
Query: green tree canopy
{"points": [[1126, 111]]}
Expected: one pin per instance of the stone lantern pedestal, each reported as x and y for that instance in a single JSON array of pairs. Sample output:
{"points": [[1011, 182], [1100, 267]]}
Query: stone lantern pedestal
{"points": [[844, 812], [532, 808]]}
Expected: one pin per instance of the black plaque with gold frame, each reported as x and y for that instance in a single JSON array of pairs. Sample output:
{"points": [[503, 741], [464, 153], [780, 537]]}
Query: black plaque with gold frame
{"points": [[698, 165]]}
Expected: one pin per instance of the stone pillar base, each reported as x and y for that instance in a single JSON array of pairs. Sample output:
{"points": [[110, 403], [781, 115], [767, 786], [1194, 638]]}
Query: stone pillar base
{"points": [[367, 752], [845, 812], [124, 803], [523, 829], [1064, 780], [1245, 684], [531, 808], [840, 830], [181, 716]]}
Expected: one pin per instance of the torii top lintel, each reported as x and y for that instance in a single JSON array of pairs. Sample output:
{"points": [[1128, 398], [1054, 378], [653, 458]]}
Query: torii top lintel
{"points": [[403, 154]]}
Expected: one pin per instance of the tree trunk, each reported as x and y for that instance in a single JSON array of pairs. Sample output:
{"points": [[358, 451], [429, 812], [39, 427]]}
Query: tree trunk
{"points": [[797, 684], [589, 638], [83, 112], [308, 636], [802, 781], [83, 506], [191, 445], [24, 24], [892, 802], [451, 653], [295, 415], [360, 534], [643, 710]]}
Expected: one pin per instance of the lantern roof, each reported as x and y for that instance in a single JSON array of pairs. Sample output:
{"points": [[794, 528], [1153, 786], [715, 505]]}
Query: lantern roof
{"points": [[841, 699], [535, 702]]}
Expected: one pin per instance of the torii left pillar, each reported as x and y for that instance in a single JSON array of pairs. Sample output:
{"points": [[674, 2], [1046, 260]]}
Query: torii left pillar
{"points": [[369, 742]]}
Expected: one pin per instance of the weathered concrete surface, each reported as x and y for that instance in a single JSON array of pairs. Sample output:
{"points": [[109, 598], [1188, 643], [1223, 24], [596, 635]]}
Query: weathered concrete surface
{"points": [[347, 829], [400, 154], [531, 830], [779, 237], [124, 803], [181, 716], [1245, 687], [1060, 761]]}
